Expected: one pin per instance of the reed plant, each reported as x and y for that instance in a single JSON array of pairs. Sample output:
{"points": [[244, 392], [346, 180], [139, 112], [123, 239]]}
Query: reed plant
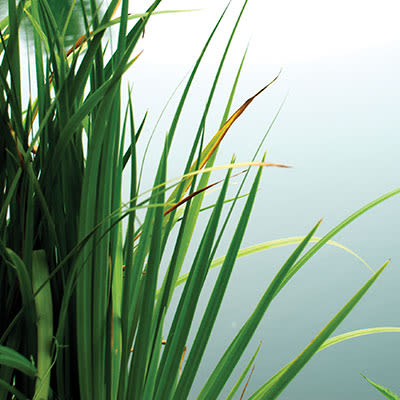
{"points": [[85, 285]]}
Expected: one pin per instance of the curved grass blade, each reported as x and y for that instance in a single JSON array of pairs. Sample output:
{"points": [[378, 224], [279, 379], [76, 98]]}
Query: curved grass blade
{"points": [[272, 389], [274, 244], [336, 230], [357, 333], [190, 196], [11, 258], [228, 361], [169, 203], [11, 358], [216, 140]]}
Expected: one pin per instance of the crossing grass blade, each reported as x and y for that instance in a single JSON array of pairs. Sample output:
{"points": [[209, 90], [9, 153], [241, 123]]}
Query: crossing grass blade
{"points": [[194, 210], [275, 244], [228, 361], [179, 331], [215, 300], [337, 229]]}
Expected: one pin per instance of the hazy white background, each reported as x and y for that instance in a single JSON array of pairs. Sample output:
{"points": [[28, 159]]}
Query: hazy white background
{"points": [[281, 32]]}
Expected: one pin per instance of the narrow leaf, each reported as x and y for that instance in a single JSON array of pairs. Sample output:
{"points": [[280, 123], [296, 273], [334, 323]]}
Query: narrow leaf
{"points": [[385, 391]]}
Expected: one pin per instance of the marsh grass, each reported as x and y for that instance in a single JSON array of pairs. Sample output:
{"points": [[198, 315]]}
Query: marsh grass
{"points": [[82, 314]]}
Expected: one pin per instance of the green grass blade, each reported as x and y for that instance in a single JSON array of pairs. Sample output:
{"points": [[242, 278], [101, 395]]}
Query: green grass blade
{"points": [[197, 201], [233, 91], [148, 392], [25, 284], [13, 53], [143, 343], [272, 389], [183, 317], [67, 20], [44, 323], [172, 129], [127, 312], [215, 301], [385, 391], [336, 230], [13, 359], [357, 333], [177, 194], [274, 244], [243, 375], [228, 361], [128, 154], [213, 144]]}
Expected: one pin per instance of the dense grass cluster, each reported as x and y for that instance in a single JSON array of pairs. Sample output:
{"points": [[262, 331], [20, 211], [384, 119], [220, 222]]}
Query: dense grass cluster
{"points": [[82, 316]]}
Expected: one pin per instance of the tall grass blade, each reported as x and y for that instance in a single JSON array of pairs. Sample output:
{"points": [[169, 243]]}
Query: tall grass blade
{"points": [[216, 297], [271, 389], [182, 321], [243, 375], [44, 322], [228, 361]]}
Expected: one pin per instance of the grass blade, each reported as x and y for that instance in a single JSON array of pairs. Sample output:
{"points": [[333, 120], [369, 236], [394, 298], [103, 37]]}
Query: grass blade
{"points": [[385, 391], [184, 315], [357, 333], [228, 361], [215, 301], [274, 244], [243, 375], [44, 322], [271, 389], [337, 229], [13, 359]]}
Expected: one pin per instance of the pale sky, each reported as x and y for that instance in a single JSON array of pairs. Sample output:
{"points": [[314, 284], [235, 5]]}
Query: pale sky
{"points": [[281, 32]]}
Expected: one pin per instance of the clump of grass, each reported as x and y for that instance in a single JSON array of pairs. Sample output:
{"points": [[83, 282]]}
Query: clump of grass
{"points": [[82, 316]]}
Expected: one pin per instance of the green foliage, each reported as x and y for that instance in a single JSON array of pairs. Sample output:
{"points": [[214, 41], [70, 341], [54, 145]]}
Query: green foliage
{"points": [[82, 289]]}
